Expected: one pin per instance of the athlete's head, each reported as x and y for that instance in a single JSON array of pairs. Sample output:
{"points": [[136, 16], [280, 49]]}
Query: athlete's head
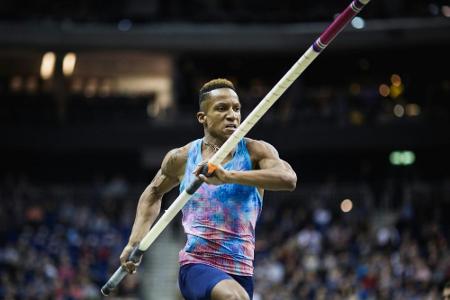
{"points": [[220, 109]]}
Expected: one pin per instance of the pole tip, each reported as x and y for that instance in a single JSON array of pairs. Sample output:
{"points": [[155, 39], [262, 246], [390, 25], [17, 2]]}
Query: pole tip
{"points": [[106, 290]]}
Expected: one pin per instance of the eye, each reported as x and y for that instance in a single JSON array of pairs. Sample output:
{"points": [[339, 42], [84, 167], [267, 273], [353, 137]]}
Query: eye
{"points": [[221, 108], [237, 108]]}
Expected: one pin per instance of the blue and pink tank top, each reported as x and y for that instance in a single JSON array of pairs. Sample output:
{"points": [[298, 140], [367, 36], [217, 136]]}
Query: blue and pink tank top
{"points": [[220, 220]]}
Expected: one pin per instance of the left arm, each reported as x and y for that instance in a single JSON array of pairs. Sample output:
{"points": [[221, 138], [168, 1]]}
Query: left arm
{"points": [[271, 172]]}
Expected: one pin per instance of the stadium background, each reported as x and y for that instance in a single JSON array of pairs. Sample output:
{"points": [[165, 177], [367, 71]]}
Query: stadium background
{"points": [[93, 93]]}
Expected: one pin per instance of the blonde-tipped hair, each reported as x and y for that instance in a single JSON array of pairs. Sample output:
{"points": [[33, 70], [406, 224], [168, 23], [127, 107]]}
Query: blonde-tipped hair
{"points": [[213, 84]]}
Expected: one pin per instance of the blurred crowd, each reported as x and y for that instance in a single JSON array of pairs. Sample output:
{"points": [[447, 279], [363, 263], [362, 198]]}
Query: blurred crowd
{"points": [[62, 241], [373, 251]]}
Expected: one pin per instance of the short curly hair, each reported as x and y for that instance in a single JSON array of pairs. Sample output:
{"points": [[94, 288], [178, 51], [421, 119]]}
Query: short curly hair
{"points": [[217, 83]]}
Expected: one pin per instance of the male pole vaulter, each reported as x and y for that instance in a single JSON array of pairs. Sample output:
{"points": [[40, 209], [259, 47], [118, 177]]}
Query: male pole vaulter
{"points": [[219, 270], [220, 218]]}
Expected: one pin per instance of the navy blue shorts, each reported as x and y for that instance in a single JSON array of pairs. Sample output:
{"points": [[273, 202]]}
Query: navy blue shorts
{"points": [[196, 281]]}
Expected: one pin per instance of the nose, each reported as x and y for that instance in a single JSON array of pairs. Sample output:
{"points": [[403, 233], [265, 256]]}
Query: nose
{"points": [[232, 115]]}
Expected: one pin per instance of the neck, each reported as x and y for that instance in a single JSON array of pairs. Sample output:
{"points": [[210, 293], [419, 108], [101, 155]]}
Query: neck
{"points": [[216, 141]]}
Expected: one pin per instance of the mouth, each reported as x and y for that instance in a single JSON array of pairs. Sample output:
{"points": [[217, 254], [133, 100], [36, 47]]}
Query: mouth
{"points": [[231, 127]]}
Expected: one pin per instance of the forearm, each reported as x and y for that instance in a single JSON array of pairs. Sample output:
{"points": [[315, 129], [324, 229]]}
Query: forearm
{"points": [[274, 179], [146, 213]]}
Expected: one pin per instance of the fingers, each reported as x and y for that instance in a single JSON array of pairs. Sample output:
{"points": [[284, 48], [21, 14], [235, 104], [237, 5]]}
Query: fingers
{"points": [[211, 180], [131, 267], [199, 168], [123, 260], [125, 254], [128, 265], [217, 177], [204, 178]]}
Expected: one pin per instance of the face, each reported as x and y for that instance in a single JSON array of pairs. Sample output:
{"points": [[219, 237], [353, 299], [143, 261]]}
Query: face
{"points": [[446, 294], [221, 113]]}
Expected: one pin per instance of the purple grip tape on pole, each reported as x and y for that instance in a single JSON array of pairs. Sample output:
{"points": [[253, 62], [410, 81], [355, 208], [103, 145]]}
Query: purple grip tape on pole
{"points": [[338, 24]]}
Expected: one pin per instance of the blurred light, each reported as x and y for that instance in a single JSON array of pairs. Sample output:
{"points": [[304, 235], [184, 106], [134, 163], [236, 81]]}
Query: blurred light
{"points": [[384, 90], [124, 25], [76, 85], [396, 91], [402, 158], [396, 80], [31, 85], [346, 205], [358, 23], [445, 10], [355, 89], [48, 65], [69, 62], [16, 84], [399, 111], [395, 158], [105, 88], [412, 110], [356, 117], [408, 158], [91, 88]]}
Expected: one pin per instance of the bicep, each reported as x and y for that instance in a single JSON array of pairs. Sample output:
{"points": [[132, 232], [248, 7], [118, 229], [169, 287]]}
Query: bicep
{"points": [[268, 157], [269, 163], [162, 183], [169, 173]]}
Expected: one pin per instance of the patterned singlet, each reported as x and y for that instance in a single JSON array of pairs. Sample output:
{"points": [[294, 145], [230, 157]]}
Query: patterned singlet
{"points": [[220, 220]]}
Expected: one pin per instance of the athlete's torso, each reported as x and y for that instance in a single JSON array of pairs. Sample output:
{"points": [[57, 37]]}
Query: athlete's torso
{"points": [[220, 220]]}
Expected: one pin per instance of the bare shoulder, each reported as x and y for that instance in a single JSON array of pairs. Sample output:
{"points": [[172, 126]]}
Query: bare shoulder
{"points": [[175, 161], [264, 155], [260, 149]]}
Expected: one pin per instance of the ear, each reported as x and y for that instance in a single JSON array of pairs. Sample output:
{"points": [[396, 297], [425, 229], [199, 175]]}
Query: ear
{"points": [[201, 117]]}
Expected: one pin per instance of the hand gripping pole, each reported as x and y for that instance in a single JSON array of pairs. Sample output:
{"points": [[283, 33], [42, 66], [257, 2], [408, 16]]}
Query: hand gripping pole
{"points": [[120, 273]]}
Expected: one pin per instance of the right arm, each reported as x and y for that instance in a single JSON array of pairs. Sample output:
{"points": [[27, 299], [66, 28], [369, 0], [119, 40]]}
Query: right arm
{"points": [[149, 204]]}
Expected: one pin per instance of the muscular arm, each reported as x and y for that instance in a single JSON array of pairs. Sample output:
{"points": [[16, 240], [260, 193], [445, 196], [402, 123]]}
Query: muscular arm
{"points": [[271, 172], [150, 201], [149, 204]]}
